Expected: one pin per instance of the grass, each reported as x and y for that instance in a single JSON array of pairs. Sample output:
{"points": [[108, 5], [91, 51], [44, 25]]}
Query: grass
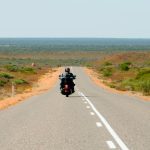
{"points": [[6, 75], [22, 75], [12, 68], [18, 65], [145, 87], [29, 70], [126, 71], [125, 66], [20, 81], [107, 72], [2, 83], [123, 71]]}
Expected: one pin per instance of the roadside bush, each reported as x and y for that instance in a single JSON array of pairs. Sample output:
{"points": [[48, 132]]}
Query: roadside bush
{"points": [[125, 66], [145, 87], [130, 84], [6, 75], [107, 72], [143, 74], [136, 85], [112, 85], [128, 63], [12, 68], [2, 83], [20, 81], [89, 65], [107, 63], [27, 70]]}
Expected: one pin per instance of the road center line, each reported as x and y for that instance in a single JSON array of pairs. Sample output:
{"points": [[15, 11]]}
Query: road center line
{"points": [[111, 144], [98, 124], [92, 113], [108, 127], [87, 107]]}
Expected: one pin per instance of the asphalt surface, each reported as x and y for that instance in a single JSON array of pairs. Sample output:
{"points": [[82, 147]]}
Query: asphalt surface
{"points": [[90, 119]]}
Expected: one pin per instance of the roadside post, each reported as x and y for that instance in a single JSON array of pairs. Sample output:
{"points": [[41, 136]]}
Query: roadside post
{"points": [[13, 90]]}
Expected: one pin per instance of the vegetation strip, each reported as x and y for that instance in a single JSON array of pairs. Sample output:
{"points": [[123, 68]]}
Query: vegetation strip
{"points": [[124, 72], [44, 83]]}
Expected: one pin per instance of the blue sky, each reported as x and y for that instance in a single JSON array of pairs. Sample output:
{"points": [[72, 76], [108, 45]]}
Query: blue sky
{"points": [[75, 18]]}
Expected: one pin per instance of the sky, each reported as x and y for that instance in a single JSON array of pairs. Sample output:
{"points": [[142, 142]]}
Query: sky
{"points": [[75, 18]]}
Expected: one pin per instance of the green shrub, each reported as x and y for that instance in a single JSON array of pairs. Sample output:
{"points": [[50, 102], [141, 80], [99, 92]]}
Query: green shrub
{"points": [[112, 85], [12, 68], [107, 72], [107, 63], [143, 74], [137, 85], [27, 70], [128, 63], [125, 66], [6, 75], [2, 83], [20, 81], [89, 65], [130, 84], [145, 87]]}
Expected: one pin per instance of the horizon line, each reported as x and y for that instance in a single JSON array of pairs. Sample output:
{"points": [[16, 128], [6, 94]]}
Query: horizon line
{"points": [[75, 37]]}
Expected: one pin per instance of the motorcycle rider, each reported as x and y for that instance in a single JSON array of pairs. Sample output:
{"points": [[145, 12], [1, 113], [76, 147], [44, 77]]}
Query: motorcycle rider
{"points": [[70, 77]]}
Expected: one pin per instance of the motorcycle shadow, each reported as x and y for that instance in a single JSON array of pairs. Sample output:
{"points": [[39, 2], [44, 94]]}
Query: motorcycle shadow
{"points": [[75, 96]]}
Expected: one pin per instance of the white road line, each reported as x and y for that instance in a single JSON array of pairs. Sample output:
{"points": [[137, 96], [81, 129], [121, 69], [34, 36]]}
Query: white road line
{"points": [[98, 124], [87, 107], [92, 113], [108, 127], [83, 99], [85, 102], [111, 144]]}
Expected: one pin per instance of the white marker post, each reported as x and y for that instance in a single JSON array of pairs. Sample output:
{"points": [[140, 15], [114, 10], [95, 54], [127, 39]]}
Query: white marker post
{"points": [[13, 90]]}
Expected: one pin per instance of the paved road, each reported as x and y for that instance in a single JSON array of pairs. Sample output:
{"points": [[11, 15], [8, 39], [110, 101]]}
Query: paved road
{"points": [[90, 119]]}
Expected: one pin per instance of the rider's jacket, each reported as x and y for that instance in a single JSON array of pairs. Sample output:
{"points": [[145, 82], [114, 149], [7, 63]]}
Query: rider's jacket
{"points": [[69, 76]]}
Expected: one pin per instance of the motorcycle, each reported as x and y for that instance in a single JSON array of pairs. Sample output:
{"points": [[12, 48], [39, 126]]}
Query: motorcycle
{"points": [[67, 87]]}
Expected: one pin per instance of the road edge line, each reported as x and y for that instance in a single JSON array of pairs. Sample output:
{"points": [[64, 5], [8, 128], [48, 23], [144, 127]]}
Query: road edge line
{"points": [[108, 127]]}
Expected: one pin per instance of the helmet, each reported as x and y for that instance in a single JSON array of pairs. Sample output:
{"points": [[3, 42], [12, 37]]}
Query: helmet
{"points": [[67, 70]]}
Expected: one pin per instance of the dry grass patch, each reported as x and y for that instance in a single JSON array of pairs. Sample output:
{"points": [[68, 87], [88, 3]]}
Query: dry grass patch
{"points": [[22, 78], [125, 71]]}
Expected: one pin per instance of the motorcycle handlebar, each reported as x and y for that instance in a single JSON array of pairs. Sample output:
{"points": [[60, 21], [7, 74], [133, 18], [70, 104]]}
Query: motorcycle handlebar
{"points": [[61, 76]]}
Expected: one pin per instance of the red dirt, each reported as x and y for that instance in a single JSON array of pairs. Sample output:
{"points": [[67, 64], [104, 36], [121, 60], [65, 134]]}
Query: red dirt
{"points": [[46, 82]]}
